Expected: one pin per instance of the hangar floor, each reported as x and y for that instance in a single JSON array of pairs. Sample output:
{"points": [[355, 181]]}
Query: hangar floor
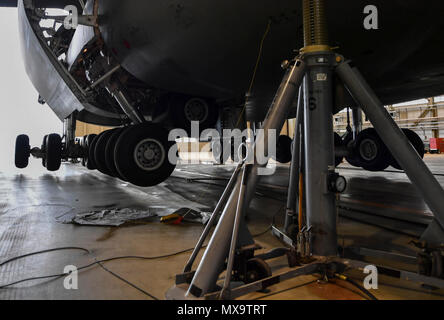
{"points": [[33, 204]]}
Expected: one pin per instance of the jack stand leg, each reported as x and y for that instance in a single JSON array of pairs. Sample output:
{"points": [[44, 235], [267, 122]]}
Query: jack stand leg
{"points": [[234, 238], [399, 145], [210, 222], [294, 167], [214, 257], [275, 118], [319, 154]]}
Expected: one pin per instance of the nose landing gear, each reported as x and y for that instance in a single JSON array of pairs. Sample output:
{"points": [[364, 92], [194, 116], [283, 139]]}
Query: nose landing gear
{"points": [[22, 151], [50, 152]]}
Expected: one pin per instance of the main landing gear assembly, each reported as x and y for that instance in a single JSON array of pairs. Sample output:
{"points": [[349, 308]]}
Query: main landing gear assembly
{"points": [[368, 150], [138, 154], [312, 207]]}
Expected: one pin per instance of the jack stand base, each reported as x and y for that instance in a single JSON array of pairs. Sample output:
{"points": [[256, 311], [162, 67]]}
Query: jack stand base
{"points": [[326, 267]]}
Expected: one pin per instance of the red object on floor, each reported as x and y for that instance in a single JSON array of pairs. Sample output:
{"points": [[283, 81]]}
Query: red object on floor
{"points": [[437, 144]]}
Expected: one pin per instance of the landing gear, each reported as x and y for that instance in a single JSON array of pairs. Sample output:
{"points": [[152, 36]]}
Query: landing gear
{"points": [[349, 143], [371, 151], [416, 142], [22, 151], [109, 153], [100, 153], [141, 155], [338, 143], [92, 165], [50, 152], [283, 149], [138, 154], [53, 152], [43, 149], [185, 109]]}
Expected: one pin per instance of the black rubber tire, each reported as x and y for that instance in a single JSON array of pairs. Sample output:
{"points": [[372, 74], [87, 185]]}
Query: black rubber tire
{"points": [[53, 152], [177, 109], [382, 159], [416, 142], [338, 143], [99, 152], [43, 149], [283, 149], [352, 158], [109, 153], [257, 269], [124, 155], [22, 151], [83, 146], [91, 163]]}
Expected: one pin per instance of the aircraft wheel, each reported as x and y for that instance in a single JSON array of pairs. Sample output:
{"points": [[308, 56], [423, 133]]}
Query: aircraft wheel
{"points": [[257, 269], [283, 149], [350, 143], [416, 142], [100, 154], [109, 152], [83, 145], [141, 155], [371, 151], [22, 151], [45, 138], [91, 163], [89, 139], [53, 152], [338, 143], [186, 109]]}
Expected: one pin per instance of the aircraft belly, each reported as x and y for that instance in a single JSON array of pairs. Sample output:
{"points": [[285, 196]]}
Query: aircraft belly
{"points": [[210, 48], [43, 74]]}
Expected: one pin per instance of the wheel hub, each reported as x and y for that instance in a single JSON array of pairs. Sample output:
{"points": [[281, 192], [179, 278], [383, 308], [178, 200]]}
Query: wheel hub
{"points": [[149, 154], [368, 150], [196, 110]]}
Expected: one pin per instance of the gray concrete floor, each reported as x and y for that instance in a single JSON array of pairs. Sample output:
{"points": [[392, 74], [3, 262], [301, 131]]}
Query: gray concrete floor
{"points": [[31, 202]]}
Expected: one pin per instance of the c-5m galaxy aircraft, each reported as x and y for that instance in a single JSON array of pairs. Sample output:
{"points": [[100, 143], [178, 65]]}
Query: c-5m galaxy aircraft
{"points": [[144, 67]]}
